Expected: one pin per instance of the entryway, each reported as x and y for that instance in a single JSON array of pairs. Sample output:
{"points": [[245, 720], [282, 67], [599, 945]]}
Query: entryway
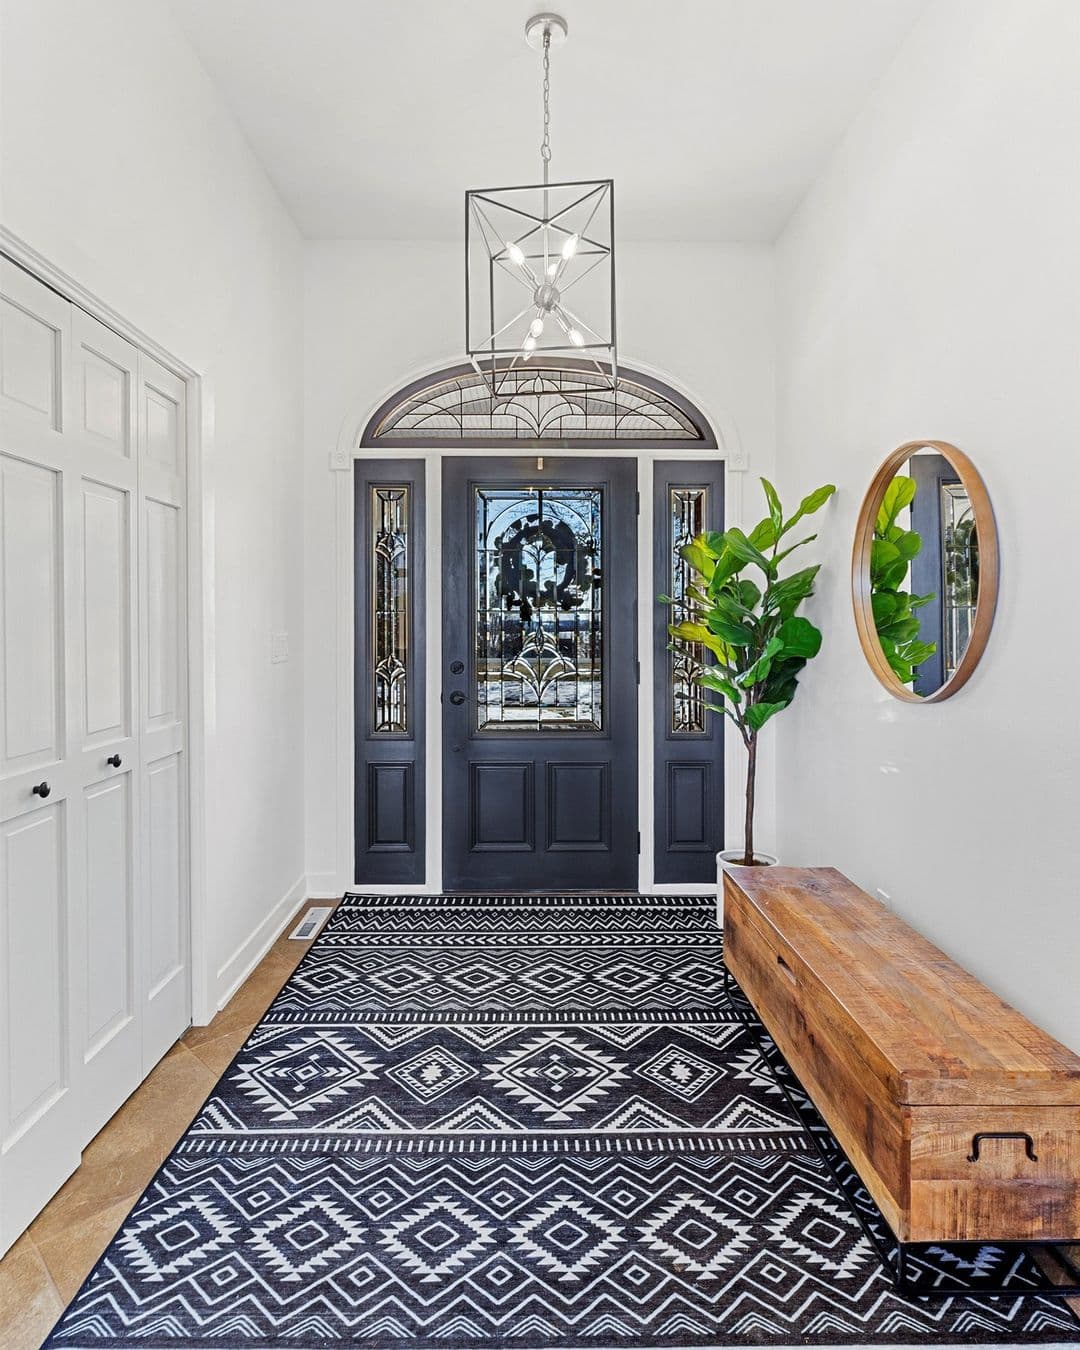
{"points": [[511, 672]]}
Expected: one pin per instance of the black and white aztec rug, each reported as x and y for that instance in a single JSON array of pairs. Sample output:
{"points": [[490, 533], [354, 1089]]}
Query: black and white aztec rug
{"points": [[473, 1122]]}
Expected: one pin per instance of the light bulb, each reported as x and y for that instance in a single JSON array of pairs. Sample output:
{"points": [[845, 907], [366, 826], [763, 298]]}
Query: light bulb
{"points": [[575, 337], [552, 271], [529, 345], [570, 247], [536, 327], [515, 254]]}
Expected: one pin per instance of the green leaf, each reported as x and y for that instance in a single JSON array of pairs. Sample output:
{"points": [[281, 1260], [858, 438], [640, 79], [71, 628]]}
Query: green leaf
{"points": [[799, 637], [763, 535], [776, 511], [697, 632], [708, 680], [698, 559], [909, 544], [759, 713], [749, 594], [883, 555], [791, 549], [732, 633], [712, 541], [787, 595], [761, 667], [812, 502], [886, 605], [744, 550], [899, 494]]}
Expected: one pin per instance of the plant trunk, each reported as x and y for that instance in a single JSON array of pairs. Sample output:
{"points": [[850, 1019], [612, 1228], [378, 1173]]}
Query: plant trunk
{"points": [[748, 825]]}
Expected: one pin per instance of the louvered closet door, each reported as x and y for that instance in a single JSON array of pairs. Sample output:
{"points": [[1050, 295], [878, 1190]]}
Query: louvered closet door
{"points": [[93, 910]]}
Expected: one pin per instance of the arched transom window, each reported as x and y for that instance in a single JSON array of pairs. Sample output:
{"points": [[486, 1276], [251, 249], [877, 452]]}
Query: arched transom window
{"points": [[564, 404]]}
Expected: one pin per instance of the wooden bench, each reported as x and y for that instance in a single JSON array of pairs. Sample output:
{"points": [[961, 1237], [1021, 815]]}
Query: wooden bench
{"points": [[961, 1117]]}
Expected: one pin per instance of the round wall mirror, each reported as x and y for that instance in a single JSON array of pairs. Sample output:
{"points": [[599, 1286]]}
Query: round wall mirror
{"points": [[924, 572]]}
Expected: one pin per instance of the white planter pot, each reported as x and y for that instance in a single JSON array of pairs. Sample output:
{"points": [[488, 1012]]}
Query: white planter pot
{"points": [[732, 857]]}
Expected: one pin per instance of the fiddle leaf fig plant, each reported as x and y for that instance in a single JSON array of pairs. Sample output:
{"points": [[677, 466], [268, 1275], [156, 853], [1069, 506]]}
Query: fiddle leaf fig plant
{"points": [[744, 613], [891, 553]]}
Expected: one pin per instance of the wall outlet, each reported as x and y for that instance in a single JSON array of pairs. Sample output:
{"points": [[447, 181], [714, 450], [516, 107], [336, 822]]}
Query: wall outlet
{"points": [[885, 897], [279, 647]]}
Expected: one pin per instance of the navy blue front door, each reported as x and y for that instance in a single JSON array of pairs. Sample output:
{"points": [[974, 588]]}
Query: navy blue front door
{"points": [[539, 683]]}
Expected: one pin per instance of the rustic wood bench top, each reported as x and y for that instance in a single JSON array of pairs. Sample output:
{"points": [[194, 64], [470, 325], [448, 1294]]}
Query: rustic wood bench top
{"points": [[946, 1037]]}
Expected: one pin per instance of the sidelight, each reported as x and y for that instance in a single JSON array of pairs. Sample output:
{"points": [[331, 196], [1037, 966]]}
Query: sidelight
{"points": [[688, 507], [539, 608], [390, 610]]}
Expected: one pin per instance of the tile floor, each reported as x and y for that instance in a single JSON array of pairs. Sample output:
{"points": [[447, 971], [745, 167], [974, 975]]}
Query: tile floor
{"points": [[40, 1274]]}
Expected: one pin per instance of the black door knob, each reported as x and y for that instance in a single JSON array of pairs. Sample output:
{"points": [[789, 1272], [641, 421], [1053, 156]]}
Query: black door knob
{"points": [[41, 790], [115, 761], [457, 698]]}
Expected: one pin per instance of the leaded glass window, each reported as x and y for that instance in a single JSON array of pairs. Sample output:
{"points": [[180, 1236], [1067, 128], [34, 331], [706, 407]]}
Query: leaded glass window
{"points": [[960, 568], [539, 608], [687, 513], [390, 609]]}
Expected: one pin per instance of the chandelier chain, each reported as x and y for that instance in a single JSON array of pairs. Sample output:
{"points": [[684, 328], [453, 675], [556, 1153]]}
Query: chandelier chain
{"points": [[545, 144]]}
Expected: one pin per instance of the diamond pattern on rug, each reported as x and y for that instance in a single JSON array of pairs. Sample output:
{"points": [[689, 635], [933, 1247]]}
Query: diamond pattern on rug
{"points": [[470, 1123]]}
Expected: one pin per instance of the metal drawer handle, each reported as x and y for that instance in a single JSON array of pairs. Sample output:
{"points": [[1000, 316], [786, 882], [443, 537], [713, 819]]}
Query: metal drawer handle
{"points": [[976, 1141], [41, 790]]}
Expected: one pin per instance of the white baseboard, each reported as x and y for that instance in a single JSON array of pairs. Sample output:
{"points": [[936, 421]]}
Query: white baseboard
{"points": [[251, 951]]}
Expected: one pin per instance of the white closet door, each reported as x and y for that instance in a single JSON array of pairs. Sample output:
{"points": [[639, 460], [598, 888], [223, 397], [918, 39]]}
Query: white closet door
{"points": [[40, 787], [163, 626], [104, 434], [94, 983]]}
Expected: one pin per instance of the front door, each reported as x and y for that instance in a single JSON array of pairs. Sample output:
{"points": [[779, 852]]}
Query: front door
{"points": [[539, 682]]}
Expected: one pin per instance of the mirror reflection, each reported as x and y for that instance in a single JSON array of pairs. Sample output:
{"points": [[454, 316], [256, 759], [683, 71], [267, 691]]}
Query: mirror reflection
{"points": [[924, 572]]}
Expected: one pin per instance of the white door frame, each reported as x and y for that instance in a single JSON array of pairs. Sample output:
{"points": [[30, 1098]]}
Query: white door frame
{"points": [[199, 587], [342, 459]]}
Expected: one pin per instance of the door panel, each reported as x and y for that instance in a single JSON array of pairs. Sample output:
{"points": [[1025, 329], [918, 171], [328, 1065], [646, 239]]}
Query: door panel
{"points": [[32, 590], [107, 613], [539, 674], [109, 965], [35, 953], [162, 577], [688, 763]]}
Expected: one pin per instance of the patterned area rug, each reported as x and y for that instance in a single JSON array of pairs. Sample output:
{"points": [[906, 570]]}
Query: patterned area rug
{"points": [[470, 1122]]}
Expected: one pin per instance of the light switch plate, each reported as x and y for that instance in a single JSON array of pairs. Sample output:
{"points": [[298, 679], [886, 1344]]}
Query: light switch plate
{"points": [[279, 647]]}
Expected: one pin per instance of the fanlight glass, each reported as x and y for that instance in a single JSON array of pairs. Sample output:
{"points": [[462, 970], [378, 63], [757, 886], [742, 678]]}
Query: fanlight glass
{"points": [[539, 608]]}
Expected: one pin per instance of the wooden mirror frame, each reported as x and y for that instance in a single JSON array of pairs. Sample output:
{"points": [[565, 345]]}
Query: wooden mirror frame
{"points": [[989, 568]]}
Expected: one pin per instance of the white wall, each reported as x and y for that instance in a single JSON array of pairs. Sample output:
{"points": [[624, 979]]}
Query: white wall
{"points": [[930, 287], [378, 313], [120, 164]]}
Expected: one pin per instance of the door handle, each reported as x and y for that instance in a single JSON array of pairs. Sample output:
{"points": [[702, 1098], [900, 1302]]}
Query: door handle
{"points": [[41, 790], [457, 698], [115, 761]]}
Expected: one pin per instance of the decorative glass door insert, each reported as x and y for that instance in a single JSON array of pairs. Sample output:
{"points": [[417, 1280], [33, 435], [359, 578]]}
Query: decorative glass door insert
{"points": [[538, 608]]}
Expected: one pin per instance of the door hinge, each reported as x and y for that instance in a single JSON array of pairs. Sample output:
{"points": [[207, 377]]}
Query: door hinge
{"points": [[639, 841], [637, 503], [637, 671]]}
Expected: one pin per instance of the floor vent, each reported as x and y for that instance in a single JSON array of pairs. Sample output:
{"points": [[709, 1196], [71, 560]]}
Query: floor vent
{"points": [[310, 924]]}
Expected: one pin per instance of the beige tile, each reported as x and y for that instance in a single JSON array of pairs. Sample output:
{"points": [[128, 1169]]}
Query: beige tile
{"points": [[30, 1300], [71, 1252], [119, 1162], [217, 1054]]}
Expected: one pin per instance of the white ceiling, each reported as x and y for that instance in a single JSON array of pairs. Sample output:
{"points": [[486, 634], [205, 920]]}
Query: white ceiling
{"points": [[713, 116]]}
